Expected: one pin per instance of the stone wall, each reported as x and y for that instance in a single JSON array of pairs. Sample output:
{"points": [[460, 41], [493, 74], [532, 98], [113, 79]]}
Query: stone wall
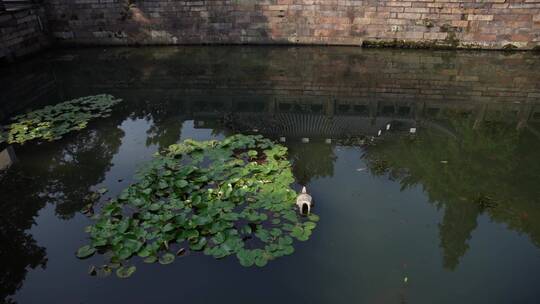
{"points": [[23, 32], [490, 24]]}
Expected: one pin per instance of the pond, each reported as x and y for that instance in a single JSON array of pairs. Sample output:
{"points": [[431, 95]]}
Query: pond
{"points": [[423, 165]]}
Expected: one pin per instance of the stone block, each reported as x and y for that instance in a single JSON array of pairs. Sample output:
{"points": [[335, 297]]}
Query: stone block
{"points": [[480, 17], [435, 36]]}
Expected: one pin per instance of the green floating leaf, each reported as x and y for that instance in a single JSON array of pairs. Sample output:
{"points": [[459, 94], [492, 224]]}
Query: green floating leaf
{"points": [[167, 258], [211, 195], [309, 225], [125, 272], [261, 258], [150, 259], [313, 217], [52, 122], [199, 245], [246, 257], [181, 183], [85, 251]]}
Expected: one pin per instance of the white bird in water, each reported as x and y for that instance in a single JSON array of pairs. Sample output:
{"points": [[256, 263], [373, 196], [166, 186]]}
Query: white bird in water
{"points": [[304, 201]]}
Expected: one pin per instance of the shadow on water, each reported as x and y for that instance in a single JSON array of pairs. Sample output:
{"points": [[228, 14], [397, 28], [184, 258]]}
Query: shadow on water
{"points": [[474, 154], [61, 174]]}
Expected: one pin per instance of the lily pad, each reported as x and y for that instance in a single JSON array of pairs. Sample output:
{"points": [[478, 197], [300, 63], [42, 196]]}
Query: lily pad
{"points": [[125, 272], [150, 259], [246, 258], [85, 252], [220, 198], [52, 122], [167, 258]]}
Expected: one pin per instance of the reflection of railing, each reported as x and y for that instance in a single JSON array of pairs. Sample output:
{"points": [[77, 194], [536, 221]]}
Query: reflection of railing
{"points": [[337, 118], [311, 125]]}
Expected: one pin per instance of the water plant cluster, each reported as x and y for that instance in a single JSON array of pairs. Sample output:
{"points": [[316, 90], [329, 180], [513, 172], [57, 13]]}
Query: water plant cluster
{"points": [[223, 198], [52, 122]]}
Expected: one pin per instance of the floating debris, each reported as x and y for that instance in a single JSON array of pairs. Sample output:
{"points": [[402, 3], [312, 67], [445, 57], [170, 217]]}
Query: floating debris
{"points": [[92, 270], [7, 158], [181, 252]]}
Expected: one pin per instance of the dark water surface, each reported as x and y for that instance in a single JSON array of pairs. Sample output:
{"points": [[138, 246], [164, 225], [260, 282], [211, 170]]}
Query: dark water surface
{"points": [[449, 215]]}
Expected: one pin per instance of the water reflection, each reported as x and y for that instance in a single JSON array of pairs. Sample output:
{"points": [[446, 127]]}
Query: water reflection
{"points": [[19, 252], [61, 174], [476, 114], [471, 161]]}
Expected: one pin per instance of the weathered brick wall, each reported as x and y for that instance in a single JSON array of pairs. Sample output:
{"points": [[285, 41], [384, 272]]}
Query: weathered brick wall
{"points": [[23, 32], [407, 23]]}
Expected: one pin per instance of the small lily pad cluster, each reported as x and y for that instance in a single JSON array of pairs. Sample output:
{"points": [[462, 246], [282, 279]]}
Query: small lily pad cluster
{"points": [[222, 198], [52, 122]]}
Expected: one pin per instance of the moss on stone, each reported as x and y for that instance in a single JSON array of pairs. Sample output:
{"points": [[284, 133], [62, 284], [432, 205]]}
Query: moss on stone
{"points": [[509, 47], [404, 44], [428, 23], [452, 40]]}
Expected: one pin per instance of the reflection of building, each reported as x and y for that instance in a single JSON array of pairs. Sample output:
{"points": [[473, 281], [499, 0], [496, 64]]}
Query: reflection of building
{"points": [[322, 117]]}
